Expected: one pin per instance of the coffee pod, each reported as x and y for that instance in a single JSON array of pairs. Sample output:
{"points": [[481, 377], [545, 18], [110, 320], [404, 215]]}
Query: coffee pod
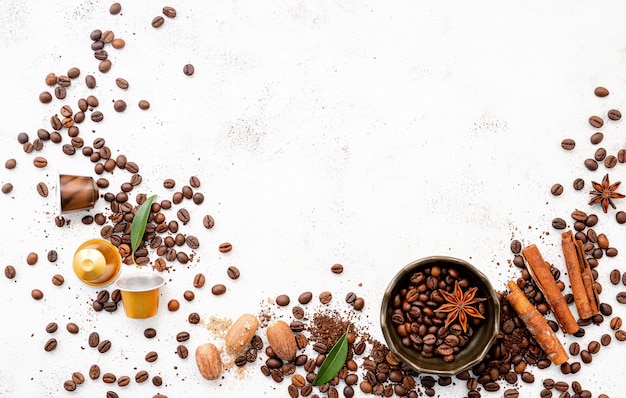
{"points": [[76, 193], [97, 262], [140, 293]]}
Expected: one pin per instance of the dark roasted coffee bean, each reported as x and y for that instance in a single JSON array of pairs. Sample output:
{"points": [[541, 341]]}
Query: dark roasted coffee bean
{"points": [[591, 164], [94, 372], [97, 116], [568, 144], [610, 161], [94, 339], [601, 91], [620, 335], [69, 385], [596, 121], [599, 154], [614, 114], [36, 294], [188, 69], [194, 318], [282, 300], [225, 247], [511, 393], [7, 188], [182, 351], [141, 376], [208, 221], [606, 309], [233, 272], [109, 378], [51, 327], [42, 189], [325, 297], [119, 105], [593, 347], [218, 289], [605, 339], [556, 190], [559, 223], [157, 21], [336, 268], [60, 92], [198, 280], [350, 297], [574, 349], [305, 297], [104, 346], [50, 345], [151, 356], [9, 271], [169, 12], [621, 297], [40, 162], [198, 198], [183, 216], [58, 280], [579, 184]]}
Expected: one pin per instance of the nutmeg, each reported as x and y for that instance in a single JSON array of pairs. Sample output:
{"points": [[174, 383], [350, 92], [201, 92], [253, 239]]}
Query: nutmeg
{"points": [[241, 332], [282, 340], [209, 361]]}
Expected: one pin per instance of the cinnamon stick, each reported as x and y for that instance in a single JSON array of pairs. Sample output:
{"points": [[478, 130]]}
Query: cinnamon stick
{"points": [[580, 277], [539, 270], [536, 325]]}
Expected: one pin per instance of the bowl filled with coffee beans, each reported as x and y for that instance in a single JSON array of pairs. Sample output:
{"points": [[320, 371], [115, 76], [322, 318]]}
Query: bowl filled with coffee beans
{"points": [[440, 315]]}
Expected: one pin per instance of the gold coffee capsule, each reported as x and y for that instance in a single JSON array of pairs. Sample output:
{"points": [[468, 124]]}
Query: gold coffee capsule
{"points": [[140, 294], [97, 262]]}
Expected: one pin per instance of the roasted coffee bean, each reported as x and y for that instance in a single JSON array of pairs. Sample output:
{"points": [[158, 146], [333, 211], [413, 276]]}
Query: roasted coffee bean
{"points": [[358, 304], [9, 271], [157, 381], [614, 114], [7, 188], [189, 295], [611, 252], [94, 339], [351, 297], [305, 297], [149, 333], [188, 69], [556, 190], [591, 164], [596, 121], [60, 92], [58, 280], [143, 105], [119, 105], [574, 348], [36, 294], [198, 281], [157, 21], [218, 289], [40, 162], [32, 258], [169, 12], [50, 345], [568, 144], [225, 247], [109, 378], [182, 351], [601, 91], [118, 43], [121, 83], [298, 312], [183, 216], [599, 154], [151, 356], [621, 297], [198, 198], [94, 372], [336, 268], [296, 326], [559, 223], [78, 378], [233, 272], [579, 184], [325, 297], [511, 393], [141, 376], [585, 356], [42, 189], [90, 81], [606, 309], [208, 221], [69, 385], [620, 335], [51, 327], [173, 305], [104, 346], [52, 256], [282, 300], [97, 116], [194, 318], [610, 161], [10, 164], [615, 323]]}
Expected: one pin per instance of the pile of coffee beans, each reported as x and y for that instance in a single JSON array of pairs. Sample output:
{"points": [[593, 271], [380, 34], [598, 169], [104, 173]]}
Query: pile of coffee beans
{"points": [[416, 318]]}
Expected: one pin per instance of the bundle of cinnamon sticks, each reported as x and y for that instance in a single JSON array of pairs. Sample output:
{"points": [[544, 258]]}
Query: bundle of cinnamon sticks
{"points": [[583, 291]]}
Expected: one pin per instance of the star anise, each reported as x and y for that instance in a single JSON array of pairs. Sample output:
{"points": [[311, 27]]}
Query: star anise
{"points": [[604, 193], [459, 305]]}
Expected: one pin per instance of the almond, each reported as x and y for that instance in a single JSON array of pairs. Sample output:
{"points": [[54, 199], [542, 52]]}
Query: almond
{"points": [[240, 333], [209, 361], [282, 340]]}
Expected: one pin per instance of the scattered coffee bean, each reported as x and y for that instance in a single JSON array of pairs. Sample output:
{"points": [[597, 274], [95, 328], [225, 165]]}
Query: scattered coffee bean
{"points": [[173, 305], [119, 106], [104, 346], [194, 318], [559, 223], [9, 271], [556, 189], [233, 272], [198, 281], [218, 289], [94, 372], [149, 333], [143, 105], [58, 280], [188, 69], [50, 345], [141, 376], [42, 189], [157, 21], [94, 339], [621, 297], [208, 221], [282, 300], [189, 295], [151, 356], [568, 144], [109, 378], [182, 351], [591, 164], [7, 188], [305, 298], [336, 268], [36, 294], [69, 385], [40, 162], [225, 247], [596, 121], [601, 91], [169, 12], [614, 114], [325, 297]]}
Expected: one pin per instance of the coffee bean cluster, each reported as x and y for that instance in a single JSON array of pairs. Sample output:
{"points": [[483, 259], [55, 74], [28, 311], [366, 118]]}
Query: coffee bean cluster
{"points": [[417, 321], [563, 388]]}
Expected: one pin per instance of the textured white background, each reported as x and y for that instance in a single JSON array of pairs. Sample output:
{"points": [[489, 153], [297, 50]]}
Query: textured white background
{"points": [[364, 133]]}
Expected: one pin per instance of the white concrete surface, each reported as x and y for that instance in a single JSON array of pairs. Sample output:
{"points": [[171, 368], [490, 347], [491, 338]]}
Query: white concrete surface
{"points": [[363, 133]]}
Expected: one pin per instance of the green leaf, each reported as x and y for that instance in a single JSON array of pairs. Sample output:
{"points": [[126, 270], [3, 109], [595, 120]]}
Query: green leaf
{"points": [[138, 227], [334, 361]]}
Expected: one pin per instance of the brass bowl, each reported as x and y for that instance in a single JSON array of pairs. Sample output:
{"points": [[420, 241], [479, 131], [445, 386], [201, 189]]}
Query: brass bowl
{"points": [[479, 344]]}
